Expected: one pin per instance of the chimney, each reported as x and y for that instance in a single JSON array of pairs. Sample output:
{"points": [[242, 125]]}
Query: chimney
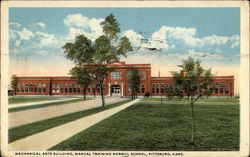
{"points": [[159, 73]]}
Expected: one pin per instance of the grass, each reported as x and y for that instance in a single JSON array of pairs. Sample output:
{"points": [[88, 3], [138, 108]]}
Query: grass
{"points": [[33, 128], [44, 105], [229, 100], [200, 101], [161, 127], [17, 100]]}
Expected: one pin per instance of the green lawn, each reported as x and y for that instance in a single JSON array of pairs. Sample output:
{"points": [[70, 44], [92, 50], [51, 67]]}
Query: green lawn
{"points": [[45, 105], [164, 127], [30, 129], [209, 100], [17, 100]]}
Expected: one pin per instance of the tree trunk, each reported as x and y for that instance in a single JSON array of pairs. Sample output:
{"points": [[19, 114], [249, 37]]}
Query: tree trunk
{"points": [[193, 123], [84, 93], [103, 100]]}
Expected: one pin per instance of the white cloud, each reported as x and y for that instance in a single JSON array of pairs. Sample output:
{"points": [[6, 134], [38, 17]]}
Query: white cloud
{"points": [[167, 33], [15, 24], [79, 24], [204, 54], [76, 20], [12, 34], [134, 37], [188, 37], [73, 32], [142, 43], [41, 24], [24, 34], [235, 41], [46, 39]]}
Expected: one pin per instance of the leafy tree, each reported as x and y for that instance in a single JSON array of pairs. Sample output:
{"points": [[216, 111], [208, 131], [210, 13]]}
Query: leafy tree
{"points": [[82, 76], [110, 27], [80, 52], [134, 82], [107, 47], [13, 84], [193, 81]]}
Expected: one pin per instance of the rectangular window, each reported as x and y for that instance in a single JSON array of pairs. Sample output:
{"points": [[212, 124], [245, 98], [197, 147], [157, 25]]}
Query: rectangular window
{"points": [[226, 88], [79, 89], [18, 87], [39, 87], [23, 86], [157, 88], [26, 87], [171, 88], [31, 88], [216, 90], [35, 87], [153, 88], [66, 88], [143, 75], [44, 87], [70, 88], [61, 88], [53, 88], [166, 88], [75, 86], [221, 88], [143, 89], [162, 88], [211, 86], [116, 75]]}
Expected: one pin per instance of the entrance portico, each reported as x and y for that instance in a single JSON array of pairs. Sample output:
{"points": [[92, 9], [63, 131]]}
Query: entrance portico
{"points": [[115, 90]]}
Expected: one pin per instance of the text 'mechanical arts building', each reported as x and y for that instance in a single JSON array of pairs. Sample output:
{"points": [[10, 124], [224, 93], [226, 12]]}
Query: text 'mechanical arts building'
{"points": [[116, 83]]}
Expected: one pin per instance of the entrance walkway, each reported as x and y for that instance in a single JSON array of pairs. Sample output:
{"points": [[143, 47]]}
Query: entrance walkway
{"points": [[47, 139], [33, 115]]}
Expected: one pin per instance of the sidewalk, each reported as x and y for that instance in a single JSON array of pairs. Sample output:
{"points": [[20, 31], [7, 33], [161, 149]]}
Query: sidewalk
{"points": [[38, 102], [47, 139], [33, 115]]}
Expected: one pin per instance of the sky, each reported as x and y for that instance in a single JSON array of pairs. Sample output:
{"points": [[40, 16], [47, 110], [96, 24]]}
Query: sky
{"points": [[163, 37]]}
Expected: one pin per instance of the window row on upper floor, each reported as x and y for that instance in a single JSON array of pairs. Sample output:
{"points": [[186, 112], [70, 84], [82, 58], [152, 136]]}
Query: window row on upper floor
{"points": [[117, 75]]}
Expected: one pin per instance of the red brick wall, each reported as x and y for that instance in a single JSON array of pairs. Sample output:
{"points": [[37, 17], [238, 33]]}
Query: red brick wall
{"points": [[123, 68]]}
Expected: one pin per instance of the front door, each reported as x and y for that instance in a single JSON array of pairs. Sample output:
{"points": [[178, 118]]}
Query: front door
{"points": [[116, 90]]}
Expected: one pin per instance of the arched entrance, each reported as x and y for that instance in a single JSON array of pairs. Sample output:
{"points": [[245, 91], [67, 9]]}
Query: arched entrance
{"points": [[116, 90]]}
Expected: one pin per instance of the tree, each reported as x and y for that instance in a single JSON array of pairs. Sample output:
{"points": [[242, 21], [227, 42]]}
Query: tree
{"points": [[108, 48], [134, 82], [105, 48], [193, 81], [83, 77], [80, 52], [110, 27], [13, 84]]}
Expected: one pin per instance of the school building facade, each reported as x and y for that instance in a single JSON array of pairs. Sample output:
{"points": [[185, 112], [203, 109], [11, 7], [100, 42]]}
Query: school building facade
{"points": [[116, 83]]}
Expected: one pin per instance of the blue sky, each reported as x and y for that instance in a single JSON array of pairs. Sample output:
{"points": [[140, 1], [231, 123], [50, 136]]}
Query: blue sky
{"points": [[38, 34]]}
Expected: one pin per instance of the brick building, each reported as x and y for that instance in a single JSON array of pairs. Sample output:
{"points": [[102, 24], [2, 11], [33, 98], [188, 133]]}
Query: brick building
{"points": [[116, 83]]}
